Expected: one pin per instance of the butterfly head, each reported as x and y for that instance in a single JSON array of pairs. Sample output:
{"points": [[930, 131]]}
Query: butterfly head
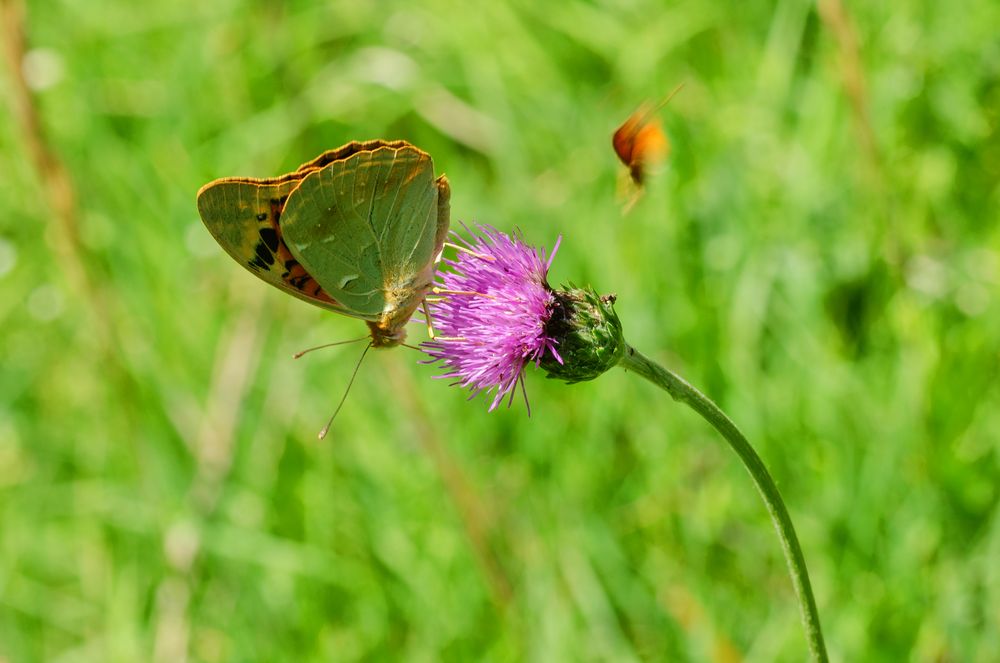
{"points": [[385, 337]]}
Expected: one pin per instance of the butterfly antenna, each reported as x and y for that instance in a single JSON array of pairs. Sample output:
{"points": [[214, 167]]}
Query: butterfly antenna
{"points": [[328, 345], [665, 101], [326, 429]]}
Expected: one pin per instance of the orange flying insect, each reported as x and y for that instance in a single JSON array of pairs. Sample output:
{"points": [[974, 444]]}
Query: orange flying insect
{"points": [[640, 142]]}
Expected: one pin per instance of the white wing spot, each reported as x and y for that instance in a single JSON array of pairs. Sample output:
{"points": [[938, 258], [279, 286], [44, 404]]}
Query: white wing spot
{"points": [[346, 280]]}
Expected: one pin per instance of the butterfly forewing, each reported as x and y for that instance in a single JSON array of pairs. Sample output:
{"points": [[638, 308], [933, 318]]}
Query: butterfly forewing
{"points": [[244, 215], [367, 227]]}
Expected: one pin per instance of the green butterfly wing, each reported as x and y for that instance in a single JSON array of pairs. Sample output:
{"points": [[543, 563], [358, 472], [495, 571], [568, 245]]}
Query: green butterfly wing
{"points": [[243, 214], [368, 227]]}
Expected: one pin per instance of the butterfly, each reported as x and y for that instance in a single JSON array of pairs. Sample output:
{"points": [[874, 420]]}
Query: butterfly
{"points": [[358, 231], [640, 142]]}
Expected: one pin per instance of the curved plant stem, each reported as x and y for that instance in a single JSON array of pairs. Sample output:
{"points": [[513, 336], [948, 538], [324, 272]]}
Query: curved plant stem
{"points": [[680, 390]]}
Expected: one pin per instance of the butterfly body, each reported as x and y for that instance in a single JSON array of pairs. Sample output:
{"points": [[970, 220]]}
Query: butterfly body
{"points": [[357, 230]]}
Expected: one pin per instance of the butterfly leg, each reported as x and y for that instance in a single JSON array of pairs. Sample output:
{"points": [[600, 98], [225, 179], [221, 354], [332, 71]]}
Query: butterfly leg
{"points": [[441, 291], [427, 310], [465, 249], [427, 317]]}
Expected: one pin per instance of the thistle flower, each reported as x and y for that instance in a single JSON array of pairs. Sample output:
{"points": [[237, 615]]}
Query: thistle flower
{"points": [[499, 314], [493, 318]]}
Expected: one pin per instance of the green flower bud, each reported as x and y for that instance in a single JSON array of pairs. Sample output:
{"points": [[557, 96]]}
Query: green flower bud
{"points": [[588, 333]]}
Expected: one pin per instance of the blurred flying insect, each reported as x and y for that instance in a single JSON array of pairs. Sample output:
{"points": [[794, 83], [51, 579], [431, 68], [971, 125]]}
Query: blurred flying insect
{"points": [[641, 144]]}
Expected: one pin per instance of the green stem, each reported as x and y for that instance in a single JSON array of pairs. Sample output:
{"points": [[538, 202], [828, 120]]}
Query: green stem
{"points": [[680, 390]]}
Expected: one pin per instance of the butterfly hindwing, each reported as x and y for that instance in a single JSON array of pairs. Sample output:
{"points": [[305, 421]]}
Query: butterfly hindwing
{"points": [[350, 149], [368, 226], [244, 215]]}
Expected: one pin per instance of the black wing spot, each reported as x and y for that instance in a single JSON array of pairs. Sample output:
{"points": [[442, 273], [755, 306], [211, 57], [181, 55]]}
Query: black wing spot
{"points": [[270, 238], [257, 264], [264, 255], [262, 216]]}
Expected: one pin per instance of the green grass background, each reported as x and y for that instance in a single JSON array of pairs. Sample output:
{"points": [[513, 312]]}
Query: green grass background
{"points": [[822, 259]]}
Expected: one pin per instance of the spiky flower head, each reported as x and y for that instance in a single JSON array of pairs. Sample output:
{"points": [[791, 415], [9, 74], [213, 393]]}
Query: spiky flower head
{"points": [[499, 314]]}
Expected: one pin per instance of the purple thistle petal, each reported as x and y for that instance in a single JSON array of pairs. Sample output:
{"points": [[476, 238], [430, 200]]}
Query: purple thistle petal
{"points": [[491, 335]]}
